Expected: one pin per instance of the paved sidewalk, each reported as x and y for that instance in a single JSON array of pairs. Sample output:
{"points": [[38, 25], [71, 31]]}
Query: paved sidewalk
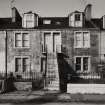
{"points": [[49, 96]]}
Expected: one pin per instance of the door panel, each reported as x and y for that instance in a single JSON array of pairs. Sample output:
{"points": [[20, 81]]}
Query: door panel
{"points": [[49, 42], [57, 42]]}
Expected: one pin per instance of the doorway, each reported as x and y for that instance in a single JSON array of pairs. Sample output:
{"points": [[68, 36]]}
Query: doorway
{"points": [[52, 41]]}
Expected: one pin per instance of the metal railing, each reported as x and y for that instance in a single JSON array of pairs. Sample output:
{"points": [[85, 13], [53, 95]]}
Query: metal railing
{"points": [[23, 76], [87, 77]]}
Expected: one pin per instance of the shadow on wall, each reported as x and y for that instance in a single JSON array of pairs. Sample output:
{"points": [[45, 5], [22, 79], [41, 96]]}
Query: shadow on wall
{"points": [[66, 70]]}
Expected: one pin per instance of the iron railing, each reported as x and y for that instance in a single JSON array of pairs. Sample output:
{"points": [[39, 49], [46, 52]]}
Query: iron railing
{"points": [[86, 77], [82, 77], [23, 76]]}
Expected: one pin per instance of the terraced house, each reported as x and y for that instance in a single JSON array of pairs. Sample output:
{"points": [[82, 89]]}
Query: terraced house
{"points": [[54, 47]]}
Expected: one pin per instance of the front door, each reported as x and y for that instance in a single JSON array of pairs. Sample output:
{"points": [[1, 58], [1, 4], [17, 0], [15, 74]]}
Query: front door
{"points": [[48, 42], [57, 42]]}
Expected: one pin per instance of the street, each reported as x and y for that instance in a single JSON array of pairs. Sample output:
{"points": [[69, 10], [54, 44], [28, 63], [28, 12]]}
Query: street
{"points": [[74, 103]]}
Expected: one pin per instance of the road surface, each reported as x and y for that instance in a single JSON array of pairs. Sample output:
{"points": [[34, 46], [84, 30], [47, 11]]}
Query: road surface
{"points": [[53, 104]]}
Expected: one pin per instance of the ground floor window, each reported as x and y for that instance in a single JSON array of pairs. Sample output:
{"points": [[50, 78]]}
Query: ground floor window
{"points": [[82, 63], [22, 64]]}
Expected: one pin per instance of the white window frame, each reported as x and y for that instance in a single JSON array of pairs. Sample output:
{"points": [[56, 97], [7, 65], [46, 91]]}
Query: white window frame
{"points": [[82, 46], [21, 57], [89, 63], [21, 32]]}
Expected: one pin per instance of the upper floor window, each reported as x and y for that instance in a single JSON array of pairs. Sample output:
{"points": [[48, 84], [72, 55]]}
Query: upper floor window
{"points": [[22, 40], [82, 39], [77, 17]]}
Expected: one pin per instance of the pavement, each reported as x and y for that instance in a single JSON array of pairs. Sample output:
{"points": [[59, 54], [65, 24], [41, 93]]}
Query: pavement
{"points": [[42, 96]]}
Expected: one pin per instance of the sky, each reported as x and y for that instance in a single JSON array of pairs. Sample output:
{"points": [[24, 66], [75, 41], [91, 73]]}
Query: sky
{"points": [[52, 8]]}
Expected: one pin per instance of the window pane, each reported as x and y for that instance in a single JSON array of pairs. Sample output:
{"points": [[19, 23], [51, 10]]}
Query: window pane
{"points": [[78, 39], [85, 63], [77, 17], [18, 40], [26, 64], [78, 43], [25, 36], [29, 24], [86, 36], [26, 43], [47, 22], [86, 39], [56, 33], [25, 61], [78, 64], [78, 35], [18, 36], [29, 17], [18, 43], [25, 40], [18, 64], [18, 61], [86, 44]]}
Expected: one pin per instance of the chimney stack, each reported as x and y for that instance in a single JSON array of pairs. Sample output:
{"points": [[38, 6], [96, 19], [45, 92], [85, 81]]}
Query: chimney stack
{"points": [[15, 15], [88, 12]]}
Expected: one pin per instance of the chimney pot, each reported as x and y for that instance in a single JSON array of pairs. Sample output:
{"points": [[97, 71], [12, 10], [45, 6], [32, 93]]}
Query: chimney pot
{"points": [[88, 12]]}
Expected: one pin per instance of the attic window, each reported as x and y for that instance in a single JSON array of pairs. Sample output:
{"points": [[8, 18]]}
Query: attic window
{"points": [[58, 23], [47, 22], [77, 17]]}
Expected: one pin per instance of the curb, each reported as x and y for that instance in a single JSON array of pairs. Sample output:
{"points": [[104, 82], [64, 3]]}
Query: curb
{"points": [[52, 97]]}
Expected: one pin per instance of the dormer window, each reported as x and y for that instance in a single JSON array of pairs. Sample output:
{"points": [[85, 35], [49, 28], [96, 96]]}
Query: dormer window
{"points": [[77, 17], [30, 20]]}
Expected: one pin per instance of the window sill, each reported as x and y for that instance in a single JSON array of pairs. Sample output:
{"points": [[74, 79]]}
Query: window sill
{"points": [[83, 71], [82, 47], [22, 47]]}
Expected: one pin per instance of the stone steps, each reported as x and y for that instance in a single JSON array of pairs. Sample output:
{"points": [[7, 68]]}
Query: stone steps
{"points": [[52, 72]]}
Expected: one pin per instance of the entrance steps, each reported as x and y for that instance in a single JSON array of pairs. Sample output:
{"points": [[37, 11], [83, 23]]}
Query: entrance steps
{"points": [[52, 80]]}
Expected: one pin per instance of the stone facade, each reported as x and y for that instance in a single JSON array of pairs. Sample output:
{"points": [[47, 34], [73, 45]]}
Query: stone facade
{"points": [[33, 52]]}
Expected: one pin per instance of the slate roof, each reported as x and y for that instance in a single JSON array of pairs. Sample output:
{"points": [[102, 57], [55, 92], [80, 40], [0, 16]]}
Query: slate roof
{"points": [[98, 22], [56, 22], [6, 23]]}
